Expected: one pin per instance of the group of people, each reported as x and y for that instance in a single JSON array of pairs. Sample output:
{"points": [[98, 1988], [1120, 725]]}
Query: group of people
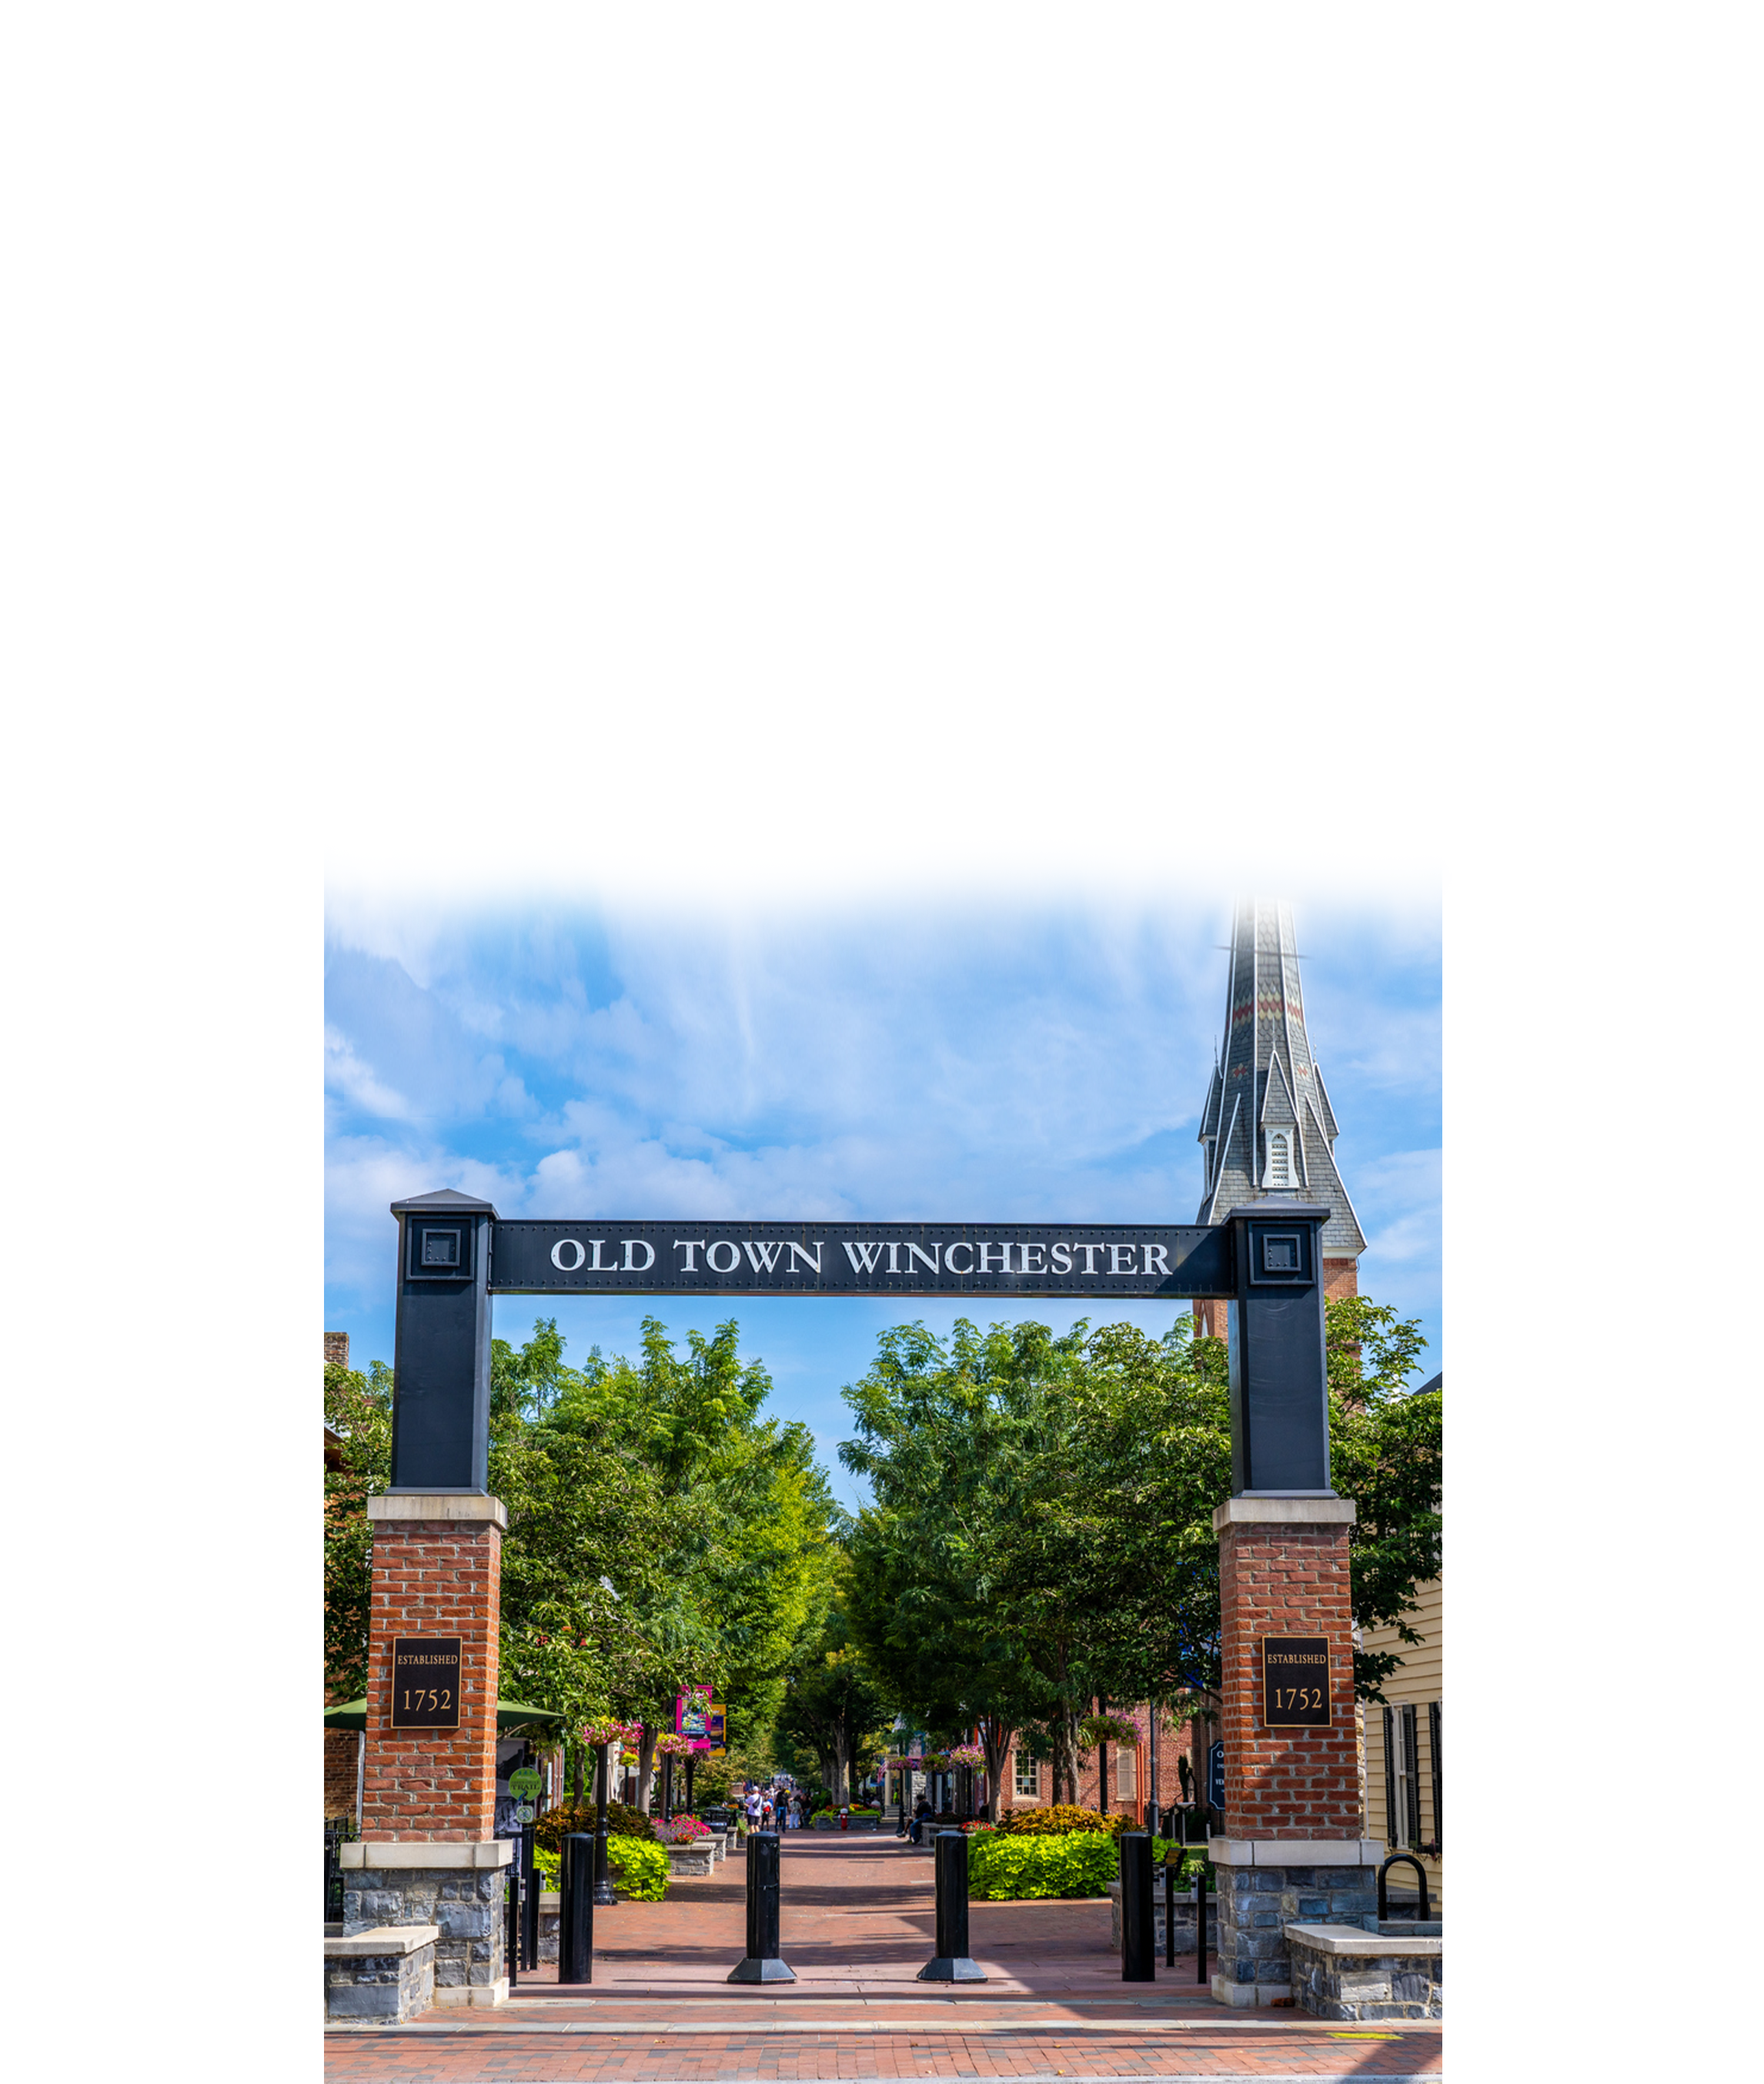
{"points": [[774, 1808]]}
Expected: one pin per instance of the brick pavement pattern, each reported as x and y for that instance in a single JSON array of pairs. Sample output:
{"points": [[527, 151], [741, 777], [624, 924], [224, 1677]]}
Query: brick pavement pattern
{"points": [[856, 1925]]}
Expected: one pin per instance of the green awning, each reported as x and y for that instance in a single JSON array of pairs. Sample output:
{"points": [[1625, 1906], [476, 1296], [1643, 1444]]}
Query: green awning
{"points": [[510, 1715]]}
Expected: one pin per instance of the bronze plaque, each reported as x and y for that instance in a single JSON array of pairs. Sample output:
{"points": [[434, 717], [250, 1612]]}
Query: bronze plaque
{"points": [[425, 1682], [1295, 1682]]}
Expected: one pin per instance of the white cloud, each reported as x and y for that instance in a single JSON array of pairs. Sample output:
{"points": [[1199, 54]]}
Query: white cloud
{"points": [[345, 1073]]}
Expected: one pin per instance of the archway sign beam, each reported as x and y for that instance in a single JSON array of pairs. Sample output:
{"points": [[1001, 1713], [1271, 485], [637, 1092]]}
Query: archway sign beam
{"points": [[455, 1253]]}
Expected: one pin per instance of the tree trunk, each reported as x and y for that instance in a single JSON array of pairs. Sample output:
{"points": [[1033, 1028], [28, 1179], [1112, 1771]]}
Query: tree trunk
{"points": [[997, 1740], [645, 1766]]}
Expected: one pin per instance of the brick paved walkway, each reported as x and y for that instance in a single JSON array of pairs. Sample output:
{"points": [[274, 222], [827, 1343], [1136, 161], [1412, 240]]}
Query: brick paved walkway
{"points": [[856, 1925]]}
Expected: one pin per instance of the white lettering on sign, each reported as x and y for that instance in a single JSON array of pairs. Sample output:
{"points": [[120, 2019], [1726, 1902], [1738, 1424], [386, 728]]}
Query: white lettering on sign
{"points": [[1062, 1258], [638, 1265], [762, 1258], [723, 1244], [1155, 1252], [568, 1244], [1090, 1253], [1029, 1265], [800, 1252], [1123, 1252], [950, 1252], [1003, 1251], [688, 1246], [914, 1251], [595, 1264], [863, 1256]]}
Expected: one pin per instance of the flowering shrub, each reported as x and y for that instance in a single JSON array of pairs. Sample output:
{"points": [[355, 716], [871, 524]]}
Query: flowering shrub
{"points": [[1057, 1818], [621, 1820], [681, 1832], [1004, 1863]]}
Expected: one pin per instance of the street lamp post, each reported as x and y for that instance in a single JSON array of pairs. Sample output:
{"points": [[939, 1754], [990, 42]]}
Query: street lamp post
{"points": [[603, 1878]]}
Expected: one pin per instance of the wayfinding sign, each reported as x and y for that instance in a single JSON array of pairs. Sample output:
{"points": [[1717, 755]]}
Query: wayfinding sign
{"points": [[607, 1257]]}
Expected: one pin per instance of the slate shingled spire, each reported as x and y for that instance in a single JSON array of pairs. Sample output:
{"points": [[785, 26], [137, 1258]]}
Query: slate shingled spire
{"points": [[1268, 1127]]}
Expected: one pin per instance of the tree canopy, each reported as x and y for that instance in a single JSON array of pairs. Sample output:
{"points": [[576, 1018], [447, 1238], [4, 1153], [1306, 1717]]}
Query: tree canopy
{"points": [[662, 1533]]}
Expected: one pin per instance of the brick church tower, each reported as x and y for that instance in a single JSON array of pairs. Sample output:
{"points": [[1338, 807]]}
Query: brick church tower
{"points": [[1268, 1129]]}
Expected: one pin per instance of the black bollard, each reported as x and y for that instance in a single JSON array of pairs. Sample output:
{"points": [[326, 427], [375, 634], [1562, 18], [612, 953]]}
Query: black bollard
{"points": [[1170, 1868], [762, 1963], [950, 1963], [511, 1926], [1200, 1926], [1138, 1960], [575, 1923]]}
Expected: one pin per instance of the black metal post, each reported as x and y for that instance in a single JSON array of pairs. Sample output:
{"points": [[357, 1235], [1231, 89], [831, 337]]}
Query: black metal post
{"points": [[668, 1787], [575, 1925], [691, 1769], [903, 1785], [1277, 1365], [1137, 1957], [1153, 1807], [1172, 1869], [529, 1870], [603, 1873], [511, 1934], [1200, 1926], [951, 1963], [762, 1963]]}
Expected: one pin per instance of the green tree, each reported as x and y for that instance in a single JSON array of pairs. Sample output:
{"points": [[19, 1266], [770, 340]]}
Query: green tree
{"points": [[831, 1707]]}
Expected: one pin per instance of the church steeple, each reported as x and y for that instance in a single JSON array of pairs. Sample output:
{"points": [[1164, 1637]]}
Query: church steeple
{"points": [[1267, 1127]]}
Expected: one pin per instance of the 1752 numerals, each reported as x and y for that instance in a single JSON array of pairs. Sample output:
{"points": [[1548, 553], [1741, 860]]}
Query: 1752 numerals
{"points": [[439, 1699], [1299, 1697]]}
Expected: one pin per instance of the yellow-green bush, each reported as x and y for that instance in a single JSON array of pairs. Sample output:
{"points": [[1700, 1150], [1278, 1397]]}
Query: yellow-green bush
{"points": [[1010, 1864]]}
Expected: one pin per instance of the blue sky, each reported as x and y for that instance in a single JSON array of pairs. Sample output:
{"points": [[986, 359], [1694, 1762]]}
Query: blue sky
{"points": [[898, 1061]]}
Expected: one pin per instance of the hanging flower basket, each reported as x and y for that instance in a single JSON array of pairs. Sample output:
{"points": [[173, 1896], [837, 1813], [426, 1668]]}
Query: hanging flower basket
{"points": [[673, 1747], [969, 1754], [1109, 1730], [595, 1735]]}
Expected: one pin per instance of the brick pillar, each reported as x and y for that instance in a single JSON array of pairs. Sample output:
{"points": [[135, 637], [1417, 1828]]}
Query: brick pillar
{"points": [[1292, 1850], [427, 1855], [438, 1570]]}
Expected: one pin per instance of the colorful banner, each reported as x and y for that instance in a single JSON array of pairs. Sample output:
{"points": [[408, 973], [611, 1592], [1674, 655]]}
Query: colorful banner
{"points": [[698, 1716]]}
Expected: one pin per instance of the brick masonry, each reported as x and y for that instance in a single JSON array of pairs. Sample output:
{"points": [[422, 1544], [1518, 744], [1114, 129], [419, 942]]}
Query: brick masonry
{"points": [[1280, 1578], [433, 1578], [336, 1350], [340, 1751]]}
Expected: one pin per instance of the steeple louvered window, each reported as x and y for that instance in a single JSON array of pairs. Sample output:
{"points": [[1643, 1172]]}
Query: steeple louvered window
{"points": [[1280, 1171]]}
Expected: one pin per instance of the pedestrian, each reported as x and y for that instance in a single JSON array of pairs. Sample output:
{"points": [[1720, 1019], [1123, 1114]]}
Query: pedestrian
{"points": [[922, 1809]]}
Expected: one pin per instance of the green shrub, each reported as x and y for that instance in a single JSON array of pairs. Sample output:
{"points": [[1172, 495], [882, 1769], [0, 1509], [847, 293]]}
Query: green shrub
{"points": [[1004, 1863], [1057, 1817], [639, 1867]]}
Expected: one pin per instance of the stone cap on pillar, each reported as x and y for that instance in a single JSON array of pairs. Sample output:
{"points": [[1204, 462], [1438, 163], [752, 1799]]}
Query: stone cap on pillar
{"points": [[438, 1504], [425, 1853], [444, 1201], [1275, 1207], [1294, 1852], [1272, 1508]]}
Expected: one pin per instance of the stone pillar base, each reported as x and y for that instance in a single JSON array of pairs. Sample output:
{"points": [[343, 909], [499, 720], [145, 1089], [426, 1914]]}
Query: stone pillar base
{"points": [[1266, 1884], [457, 1889], [386, 1972]]}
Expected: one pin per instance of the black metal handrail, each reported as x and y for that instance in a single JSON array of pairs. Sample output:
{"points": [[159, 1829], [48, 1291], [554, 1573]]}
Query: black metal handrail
{"points": [[1408, 1859]]}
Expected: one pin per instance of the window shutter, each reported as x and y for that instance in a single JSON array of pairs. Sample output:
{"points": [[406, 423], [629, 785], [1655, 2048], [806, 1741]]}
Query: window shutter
{"points": [[1390, 1776], [1412, 1760], [1433, 1761]]}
